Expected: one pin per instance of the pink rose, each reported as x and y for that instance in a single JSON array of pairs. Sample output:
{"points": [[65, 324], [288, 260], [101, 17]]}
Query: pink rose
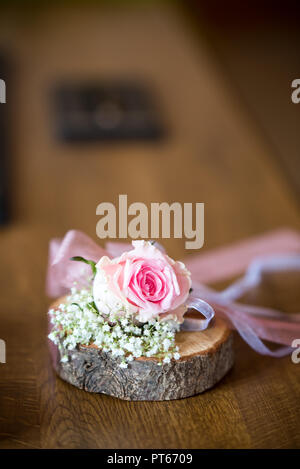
{"points": [[143, 281]]}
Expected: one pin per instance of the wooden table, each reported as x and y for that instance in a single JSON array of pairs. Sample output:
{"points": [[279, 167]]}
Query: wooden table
{"points": [[212, 154]]}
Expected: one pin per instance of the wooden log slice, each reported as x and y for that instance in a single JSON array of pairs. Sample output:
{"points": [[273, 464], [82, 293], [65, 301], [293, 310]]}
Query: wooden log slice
{"points": [[206, 357]]}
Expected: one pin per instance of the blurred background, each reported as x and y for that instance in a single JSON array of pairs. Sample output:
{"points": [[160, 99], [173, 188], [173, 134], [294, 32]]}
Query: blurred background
{"points": [[186, 101], [163, 101]]}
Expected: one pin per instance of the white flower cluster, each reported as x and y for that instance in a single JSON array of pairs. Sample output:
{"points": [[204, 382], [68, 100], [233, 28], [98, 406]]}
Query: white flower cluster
{"points": [[79, 322]]}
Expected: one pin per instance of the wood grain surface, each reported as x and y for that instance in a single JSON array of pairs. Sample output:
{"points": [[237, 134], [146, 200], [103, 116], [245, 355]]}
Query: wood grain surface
{"points": [[205, 358], [212, 154]]}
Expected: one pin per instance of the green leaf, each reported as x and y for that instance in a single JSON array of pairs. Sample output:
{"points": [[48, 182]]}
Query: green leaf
{"points": [[86, 261], [92, 306], [76, 304]]}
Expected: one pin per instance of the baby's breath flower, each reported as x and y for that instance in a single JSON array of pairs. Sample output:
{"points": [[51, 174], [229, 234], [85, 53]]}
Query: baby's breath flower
{"points": [[79, 322], [166, 343]]}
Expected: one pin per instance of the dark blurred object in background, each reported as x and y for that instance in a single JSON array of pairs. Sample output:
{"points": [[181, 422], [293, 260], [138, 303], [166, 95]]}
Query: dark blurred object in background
{"points": [[247, 14], [113, 110], [4, 212]]}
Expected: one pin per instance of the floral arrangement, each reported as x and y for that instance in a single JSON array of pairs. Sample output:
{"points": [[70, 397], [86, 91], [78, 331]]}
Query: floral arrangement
{"points": [[131, 306], [135, 300]]}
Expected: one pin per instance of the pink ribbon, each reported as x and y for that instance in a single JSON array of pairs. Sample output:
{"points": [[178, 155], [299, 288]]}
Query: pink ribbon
{"points": [[253, 323]]}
